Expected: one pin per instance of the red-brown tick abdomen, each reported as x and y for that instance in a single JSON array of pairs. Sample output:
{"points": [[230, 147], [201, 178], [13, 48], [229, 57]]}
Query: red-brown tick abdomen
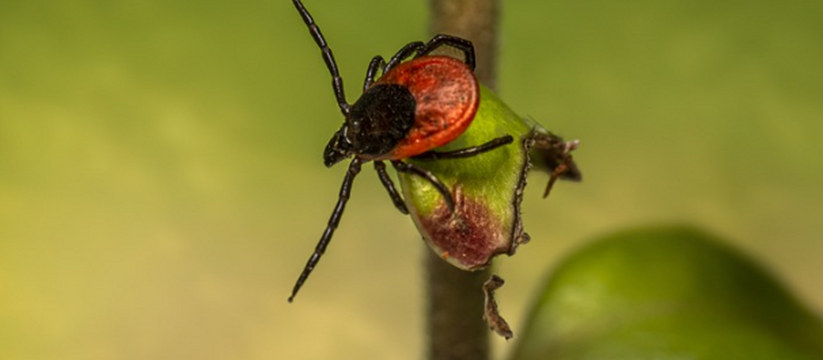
{"points": [[446, 94]]}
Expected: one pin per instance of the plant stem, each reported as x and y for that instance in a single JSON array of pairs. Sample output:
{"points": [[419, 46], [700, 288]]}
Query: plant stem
{"points": [[455, 297]]}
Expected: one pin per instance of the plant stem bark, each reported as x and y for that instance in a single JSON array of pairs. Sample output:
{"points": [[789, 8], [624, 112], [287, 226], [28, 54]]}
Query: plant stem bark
{"points": [[455, 297]]}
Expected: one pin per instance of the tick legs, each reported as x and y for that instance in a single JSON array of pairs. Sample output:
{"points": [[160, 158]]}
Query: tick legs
{"points": [[422, 50], [403, 53], [455, 154], [389, 185], [459, 43], [414, 169], [467, 152], [425, 49], [328, 57], [376, 63], [345, 191]]}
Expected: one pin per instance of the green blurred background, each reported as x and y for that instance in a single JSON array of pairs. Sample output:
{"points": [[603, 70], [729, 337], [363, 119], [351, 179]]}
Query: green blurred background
{"points": [[161, 182]]}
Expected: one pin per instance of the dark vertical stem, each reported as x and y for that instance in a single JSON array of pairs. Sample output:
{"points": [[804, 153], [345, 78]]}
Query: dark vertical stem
{"points": [[455, 306], [455, 297]]}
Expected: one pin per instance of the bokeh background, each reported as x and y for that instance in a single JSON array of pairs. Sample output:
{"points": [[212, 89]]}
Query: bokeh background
{"points": [[161, 182]]}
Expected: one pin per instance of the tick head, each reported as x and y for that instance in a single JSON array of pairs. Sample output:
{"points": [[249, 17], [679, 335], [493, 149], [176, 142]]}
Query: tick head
{"points": [[380, 119], [339, 147]]}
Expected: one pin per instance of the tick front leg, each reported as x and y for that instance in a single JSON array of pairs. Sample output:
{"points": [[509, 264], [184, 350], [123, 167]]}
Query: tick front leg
{"points": [[345, 192], [416, 170], [467, 152], [328, 57], [389, 185]]}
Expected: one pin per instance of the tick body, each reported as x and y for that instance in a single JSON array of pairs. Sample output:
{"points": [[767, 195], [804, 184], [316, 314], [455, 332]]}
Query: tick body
{"points": [[446, 94], [412, 108]]}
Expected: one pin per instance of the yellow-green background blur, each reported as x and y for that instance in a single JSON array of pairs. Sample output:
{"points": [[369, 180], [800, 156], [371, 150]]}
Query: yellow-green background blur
{"points": [[161, 181]]}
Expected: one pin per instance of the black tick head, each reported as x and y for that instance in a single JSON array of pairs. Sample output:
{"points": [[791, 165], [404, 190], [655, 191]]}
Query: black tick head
{"points": [[338, 148], [380, 119]]}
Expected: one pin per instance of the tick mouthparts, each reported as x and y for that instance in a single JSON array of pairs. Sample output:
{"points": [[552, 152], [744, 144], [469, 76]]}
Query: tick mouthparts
{"points": [[337, 149]]}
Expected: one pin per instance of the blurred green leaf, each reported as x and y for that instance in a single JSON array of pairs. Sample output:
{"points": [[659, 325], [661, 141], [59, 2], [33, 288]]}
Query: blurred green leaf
{"points": [[667, 293]]}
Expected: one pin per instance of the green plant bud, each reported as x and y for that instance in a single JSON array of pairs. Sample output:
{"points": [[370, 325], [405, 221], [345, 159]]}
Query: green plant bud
{"points": [[487, 188]]}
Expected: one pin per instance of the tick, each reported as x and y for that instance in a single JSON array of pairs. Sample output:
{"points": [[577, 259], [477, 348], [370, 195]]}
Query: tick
{"points": [[414, 107]]}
